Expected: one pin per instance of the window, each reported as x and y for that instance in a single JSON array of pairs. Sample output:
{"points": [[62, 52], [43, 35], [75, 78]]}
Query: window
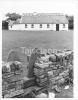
{"points": [[11, 26], [40, 25], [25, 25], [48, 25], [63, 25], [32, 25]]}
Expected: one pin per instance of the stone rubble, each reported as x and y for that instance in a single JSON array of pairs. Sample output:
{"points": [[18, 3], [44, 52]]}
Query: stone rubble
{"points": [[44, 70], [53, 69]]}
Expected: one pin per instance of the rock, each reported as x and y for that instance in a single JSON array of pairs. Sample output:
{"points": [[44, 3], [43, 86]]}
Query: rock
{"points": [[52, 58], [66, 87], [28, 82], [51, 95], [42, 95], [33, 58]]}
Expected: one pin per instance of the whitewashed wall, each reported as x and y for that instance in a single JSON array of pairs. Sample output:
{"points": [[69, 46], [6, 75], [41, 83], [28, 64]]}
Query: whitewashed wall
{"points": [[17, 27], [63, 28], [36, 27], [53, 27]]}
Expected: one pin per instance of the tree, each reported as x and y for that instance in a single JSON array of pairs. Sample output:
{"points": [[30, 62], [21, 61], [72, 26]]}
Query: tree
{"points": [[13, 16], [70, 21]]}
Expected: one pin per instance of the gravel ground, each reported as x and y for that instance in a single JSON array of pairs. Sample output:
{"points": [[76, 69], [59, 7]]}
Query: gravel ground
{"points": [[66, 93]]}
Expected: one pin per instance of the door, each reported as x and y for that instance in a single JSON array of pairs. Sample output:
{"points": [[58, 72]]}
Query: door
{"points": [[57, 27]]}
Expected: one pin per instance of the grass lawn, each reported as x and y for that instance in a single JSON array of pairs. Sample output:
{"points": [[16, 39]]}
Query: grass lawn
{"points": [[44, 39]]}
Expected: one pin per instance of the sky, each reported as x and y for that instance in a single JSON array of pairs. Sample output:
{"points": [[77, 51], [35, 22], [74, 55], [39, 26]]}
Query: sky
{"points": [[39, 6]]}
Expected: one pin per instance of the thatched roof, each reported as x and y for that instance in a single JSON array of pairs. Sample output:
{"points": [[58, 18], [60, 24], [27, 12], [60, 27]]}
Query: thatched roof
{"points": [[43, 18]]}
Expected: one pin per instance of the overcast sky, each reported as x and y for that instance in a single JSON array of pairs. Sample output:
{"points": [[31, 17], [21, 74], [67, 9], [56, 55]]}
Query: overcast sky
{"points": [[39, 6]]}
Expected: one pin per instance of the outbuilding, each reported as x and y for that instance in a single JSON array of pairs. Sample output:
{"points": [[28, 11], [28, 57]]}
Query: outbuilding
{"points": [[4, 25], [40, 22]]}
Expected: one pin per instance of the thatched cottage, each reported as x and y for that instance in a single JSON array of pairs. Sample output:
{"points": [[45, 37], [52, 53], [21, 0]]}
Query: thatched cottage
{"points": [[40, 22]]}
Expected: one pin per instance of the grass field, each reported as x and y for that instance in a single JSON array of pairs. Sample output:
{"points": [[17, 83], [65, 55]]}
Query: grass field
{"points": [[45, 39]]}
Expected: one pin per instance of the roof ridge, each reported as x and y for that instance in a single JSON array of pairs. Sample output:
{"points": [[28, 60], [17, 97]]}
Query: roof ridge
{"points": [[36, 14]]}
